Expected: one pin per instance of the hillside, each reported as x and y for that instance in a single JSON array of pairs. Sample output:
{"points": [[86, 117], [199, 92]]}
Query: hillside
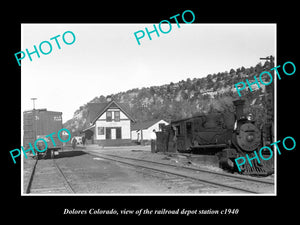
{"points": [[185, 98]]}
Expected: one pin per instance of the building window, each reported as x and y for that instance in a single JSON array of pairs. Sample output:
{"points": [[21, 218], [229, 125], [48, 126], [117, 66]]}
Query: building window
{"points": [[108, 116], [100, 130], [117, 116]]}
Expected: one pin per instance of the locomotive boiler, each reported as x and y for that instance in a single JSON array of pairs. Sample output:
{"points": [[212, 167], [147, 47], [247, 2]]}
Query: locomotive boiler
{"points": [[227, 135]]}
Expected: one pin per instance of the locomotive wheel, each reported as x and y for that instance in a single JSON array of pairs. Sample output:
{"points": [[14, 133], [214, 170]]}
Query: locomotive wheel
{"points": [[226, 164], [225, 159]]}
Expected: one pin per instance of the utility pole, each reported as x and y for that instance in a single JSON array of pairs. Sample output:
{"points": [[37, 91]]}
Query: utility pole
{"points": [[33, 99], [271, 58], [269, 102], [34, 122]]}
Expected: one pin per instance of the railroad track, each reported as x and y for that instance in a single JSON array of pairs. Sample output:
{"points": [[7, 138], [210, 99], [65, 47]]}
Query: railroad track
{"points": [[223, 181], [47, 178]]}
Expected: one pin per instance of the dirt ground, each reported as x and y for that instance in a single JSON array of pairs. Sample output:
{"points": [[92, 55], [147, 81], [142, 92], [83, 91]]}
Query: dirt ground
{"points": [[89, 174]]}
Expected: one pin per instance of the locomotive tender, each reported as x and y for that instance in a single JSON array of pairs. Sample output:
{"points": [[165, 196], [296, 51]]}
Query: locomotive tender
{"points": [[227, 135]]}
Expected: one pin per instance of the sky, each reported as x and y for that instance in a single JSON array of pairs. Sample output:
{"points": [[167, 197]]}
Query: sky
{"points": [[106, 58]]}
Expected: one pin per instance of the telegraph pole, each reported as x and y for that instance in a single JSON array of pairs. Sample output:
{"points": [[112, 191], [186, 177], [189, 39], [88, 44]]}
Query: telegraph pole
{"points": [[33, 99], [34, 122], [270, 88], [271, 58], [269, 101]]}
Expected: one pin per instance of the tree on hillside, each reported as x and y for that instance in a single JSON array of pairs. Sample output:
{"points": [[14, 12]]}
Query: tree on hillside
{"points": [[184, 95], [258, 67], [210, 83], [152, 91], [232, 71], [102, 98], [217, 86], [267, 65]]}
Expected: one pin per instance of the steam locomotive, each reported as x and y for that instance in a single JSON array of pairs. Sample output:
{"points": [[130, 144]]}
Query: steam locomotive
{"points": [[227, 135]]}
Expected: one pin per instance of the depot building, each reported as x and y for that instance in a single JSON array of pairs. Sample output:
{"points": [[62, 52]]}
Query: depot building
{"points": [[109, 123]]}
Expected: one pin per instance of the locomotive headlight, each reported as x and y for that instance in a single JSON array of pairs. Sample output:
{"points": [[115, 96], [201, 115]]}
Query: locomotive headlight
{"points": [[250, 137], [250, 117]]}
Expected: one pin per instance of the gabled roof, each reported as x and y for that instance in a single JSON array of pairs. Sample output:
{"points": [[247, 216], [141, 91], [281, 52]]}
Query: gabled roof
{"points": [[144, 125], [95, 110]]}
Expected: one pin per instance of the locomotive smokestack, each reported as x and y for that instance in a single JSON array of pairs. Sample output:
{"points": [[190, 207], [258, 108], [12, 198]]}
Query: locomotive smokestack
{"points": [[239, 107]]}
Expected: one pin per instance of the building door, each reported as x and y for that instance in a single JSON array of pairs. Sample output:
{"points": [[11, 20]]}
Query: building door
{"points": [[108, 133], [118, 133], [189, 133], [113, 133]]}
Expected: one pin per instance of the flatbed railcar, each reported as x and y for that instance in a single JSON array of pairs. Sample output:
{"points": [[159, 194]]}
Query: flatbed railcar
{"points": [[39, 123]]}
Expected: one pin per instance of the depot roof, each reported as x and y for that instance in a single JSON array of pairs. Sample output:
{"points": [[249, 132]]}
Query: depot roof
{"points": [[95, 110], [144, 125]]}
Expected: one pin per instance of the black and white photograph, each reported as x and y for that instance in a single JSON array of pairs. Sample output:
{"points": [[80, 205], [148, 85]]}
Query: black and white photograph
{"points": [[138, 112], [180, 113]]}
